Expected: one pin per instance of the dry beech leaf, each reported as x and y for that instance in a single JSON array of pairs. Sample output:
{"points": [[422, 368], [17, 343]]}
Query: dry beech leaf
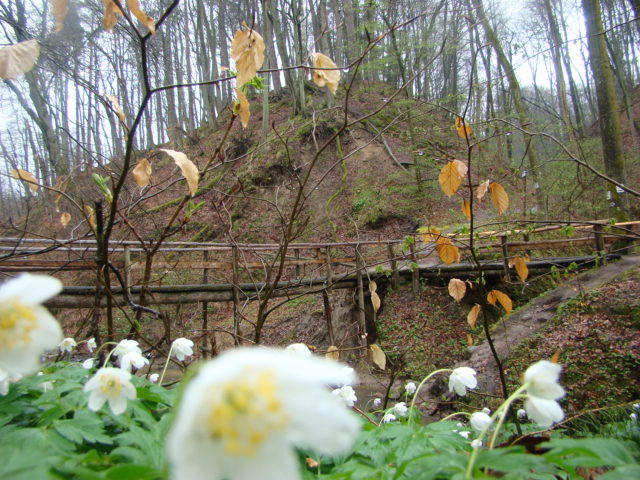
{"points": [[373, 286], [247, 49], [111, 13], [555, 357], [243, 108], [20, 174], [521, 268], [527, 258], [118, 109], [502, 298], [65, 218], [462, 128], [462, 167], [472, 316], [447, 251], [18, 59], [466, 208], [311, 463], [375, 301], [59, 188], [499, 198], [59, 10], [332, 353], [145, 19], [330, 78], [482, 190], [457, 289], [469, 340], [449, 178], [429, 234], [91, 216], [187, 167], [377, 356], [142, 173]]}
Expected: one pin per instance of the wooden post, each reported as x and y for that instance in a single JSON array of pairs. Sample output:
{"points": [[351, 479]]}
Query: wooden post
{"points": [[297, 255], [505, 257], [205, 311], [327, 260], [236, 297], [328, 316], [395, 275], [360, 285], [599, 241], [127, 268], [415, 271], [525, 237]]}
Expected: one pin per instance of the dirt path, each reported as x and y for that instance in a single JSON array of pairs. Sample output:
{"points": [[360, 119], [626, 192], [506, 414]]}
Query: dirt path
{"points": [[532, 317]]}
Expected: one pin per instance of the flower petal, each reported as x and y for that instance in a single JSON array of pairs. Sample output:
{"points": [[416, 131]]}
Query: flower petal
{"points": [[543, 411], [31, 289]]}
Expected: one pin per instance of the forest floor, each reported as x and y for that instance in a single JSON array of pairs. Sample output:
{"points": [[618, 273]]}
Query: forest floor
{"points": [[591, 320]]}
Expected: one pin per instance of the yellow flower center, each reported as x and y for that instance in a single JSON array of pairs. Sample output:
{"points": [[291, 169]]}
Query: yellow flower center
{"points": [[111, 387], [17, 321], [245, 412]]}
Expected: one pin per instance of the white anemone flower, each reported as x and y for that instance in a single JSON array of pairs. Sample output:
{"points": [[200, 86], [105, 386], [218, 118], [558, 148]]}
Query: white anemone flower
{"points": [[522, 413], [410, 388], [543, 390], [462, 378], [465, 434], [299, 349], [132, 359], [153, 378], [477, 443], [377, 402], [125, 346], [480, 420], [244, 413], [181, 348], [111, 385], [67, 345], [91, 345], [347, 394], [4, 382], [388, 417], [633, 416], [400, 409], [486, 410], [27, 329], [88, 363]]}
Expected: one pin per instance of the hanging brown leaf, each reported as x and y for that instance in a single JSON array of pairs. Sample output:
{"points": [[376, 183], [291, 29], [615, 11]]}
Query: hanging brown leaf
{"points": [[373, 286], [243, 108], [142, 173], [457, 289], [187, 167], [449, 179], [332, 353], [91, 216], [375, 301], [462, 168], [429, 234], [502, 298], [18, 59], [447, 251], [555, 358], [20, 174], [521, 268], [499, 198], [527, 258], [466, 208], [59, 187], [482, 190], [247, 49], [65, 218], [111, 13], [462, 128], [377, 356], [472, 316], [145, 19], [59, 10], [330, 78], [118, 109], [469, 340]]}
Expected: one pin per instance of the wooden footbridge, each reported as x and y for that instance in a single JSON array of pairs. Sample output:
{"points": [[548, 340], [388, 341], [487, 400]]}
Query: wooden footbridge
{"points": [[188, 272]]}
